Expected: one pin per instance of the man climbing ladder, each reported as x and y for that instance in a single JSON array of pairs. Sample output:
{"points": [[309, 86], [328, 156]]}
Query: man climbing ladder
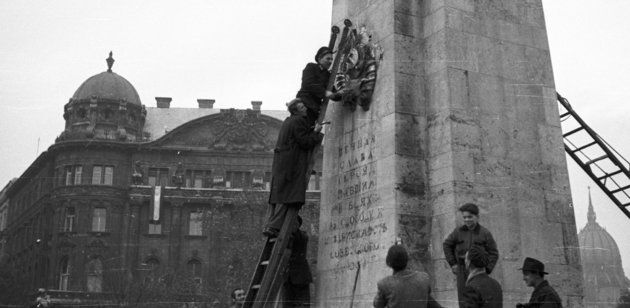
{"points": [[298, 139]]}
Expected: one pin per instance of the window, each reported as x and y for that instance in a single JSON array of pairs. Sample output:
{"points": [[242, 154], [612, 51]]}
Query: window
{"points": [[217, 180], [313, 183], [68, 223], [152, 266], [95, 275], [102, 175], [194, 270], [109, 175], [158, 176], [99, 219], [73, 175], [195, 223], [238, 179], [198, 178], [155, 228], [77, 174], [64, 273]]}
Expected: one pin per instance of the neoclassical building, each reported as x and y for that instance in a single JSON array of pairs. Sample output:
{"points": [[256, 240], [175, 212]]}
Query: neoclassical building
{"points": [[604, 277], [146, 203]]}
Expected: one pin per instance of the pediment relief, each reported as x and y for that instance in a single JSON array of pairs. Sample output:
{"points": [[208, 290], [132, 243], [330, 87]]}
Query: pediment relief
{"points": [[229, 130]]}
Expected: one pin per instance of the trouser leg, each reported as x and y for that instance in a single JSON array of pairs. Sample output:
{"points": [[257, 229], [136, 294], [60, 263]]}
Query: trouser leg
{"points": [[277, 213], [461, 282], [276, 216]]}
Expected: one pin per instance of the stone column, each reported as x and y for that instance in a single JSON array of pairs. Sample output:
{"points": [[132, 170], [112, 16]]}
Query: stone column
{"points": [[463, 111]]}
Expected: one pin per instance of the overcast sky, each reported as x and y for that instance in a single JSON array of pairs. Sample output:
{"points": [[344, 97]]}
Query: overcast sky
{"points": [[239, 51]]}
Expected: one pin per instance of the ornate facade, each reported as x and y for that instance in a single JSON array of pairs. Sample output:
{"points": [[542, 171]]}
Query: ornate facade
{"points": [[138, 203], [604, 279]]}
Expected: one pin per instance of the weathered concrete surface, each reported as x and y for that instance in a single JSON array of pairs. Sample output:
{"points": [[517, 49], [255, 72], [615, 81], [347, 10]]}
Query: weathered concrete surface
{"points": [[463, 111]]}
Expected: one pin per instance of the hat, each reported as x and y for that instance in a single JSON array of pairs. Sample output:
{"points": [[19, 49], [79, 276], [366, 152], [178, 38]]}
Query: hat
{"points": [[321, 52], [533, 265], [470, 207]]}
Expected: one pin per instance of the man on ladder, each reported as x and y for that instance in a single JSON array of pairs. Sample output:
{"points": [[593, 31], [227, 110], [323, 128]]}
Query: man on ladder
{"points": [[290, 165]]}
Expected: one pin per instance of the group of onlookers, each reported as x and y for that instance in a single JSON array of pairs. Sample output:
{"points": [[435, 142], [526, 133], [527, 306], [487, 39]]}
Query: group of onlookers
{"points": [[472, 253]]}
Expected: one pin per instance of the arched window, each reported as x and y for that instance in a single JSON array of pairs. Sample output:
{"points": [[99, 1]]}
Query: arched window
{"points": [[95, 275], [194, 270], [64, 273]]}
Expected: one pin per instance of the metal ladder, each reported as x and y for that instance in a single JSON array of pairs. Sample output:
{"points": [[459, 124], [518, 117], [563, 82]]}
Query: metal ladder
{"points": [[605, 166], [272, 266]]}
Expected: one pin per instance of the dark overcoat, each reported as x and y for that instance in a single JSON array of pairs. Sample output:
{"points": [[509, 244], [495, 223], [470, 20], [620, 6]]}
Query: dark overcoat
{"points": [[314, 83], [290, 160], [405, 289], [544, 296], [299, 270], [482, 291]]}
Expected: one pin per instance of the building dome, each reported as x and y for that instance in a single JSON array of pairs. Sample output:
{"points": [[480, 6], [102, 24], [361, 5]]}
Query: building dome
{"points": [[106, 106], [596, 243], [108, 86], [601, 263]]}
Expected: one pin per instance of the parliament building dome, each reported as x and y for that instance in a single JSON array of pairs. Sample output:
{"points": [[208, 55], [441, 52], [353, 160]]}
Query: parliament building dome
{"points": [[601, 263]]}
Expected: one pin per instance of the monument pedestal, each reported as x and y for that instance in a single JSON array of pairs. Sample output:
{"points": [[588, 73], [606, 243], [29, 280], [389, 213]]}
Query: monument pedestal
{"points": [[463, 111]]}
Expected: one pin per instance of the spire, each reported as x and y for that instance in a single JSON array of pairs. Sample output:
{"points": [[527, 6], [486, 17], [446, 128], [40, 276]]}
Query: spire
{"points": [[591, 213], [110, 62]]}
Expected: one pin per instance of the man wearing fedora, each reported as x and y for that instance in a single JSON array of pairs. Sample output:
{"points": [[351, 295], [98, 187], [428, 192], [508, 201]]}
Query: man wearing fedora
{"points": [[544, 296]]}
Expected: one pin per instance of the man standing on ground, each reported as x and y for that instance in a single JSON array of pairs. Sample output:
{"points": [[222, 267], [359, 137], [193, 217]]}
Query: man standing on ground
{"points": [[461, 240], [290, 163], [404, 288], [481, 290], [297, 291], [544, 296], [238, 297]]}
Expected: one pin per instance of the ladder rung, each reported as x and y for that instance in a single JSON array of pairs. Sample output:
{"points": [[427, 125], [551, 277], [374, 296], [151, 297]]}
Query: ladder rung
{"points": [[596, 159], [626, 205], [620, 189], [584, 146], [273, 240], [573, 131], [609, 175], [564, 114], [256, 286], [265, 263]]}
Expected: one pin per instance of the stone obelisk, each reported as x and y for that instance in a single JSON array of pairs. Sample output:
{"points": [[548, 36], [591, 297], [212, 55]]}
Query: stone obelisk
{"points": [[463, 110]]}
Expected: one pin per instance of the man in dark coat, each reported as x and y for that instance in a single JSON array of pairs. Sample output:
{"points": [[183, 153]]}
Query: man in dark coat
{"points": [[462, 238], [405, 288], [544, 296], [297, 292], [314, 83], [290, 163], [481, 290]]}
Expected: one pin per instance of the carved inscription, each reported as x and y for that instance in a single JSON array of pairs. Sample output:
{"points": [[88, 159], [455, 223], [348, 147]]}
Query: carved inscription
{"points": [[357, 220]]}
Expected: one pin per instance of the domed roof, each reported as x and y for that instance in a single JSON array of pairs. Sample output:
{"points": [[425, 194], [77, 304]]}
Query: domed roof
{"points": [[596, 243], [108, 85], [599, 251]]}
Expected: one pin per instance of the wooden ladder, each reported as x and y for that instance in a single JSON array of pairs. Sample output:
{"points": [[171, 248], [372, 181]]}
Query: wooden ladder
{"points": [[272, 266]]}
